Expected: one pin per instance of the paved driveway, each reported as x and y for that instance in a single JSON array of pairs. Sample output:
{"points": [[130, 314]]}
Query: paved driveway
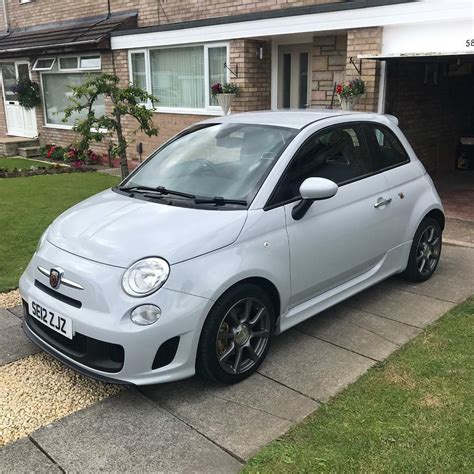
{"points": [[193, 426]]}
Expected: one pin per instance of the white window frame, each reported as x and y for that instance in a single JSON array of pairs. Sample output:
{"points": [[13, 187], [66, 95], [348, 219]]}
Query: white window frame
{"points": [[97, 68], [35, 68], [208, 109], [68, 69], [45, 115], [78, 67], [60, 70], [145, 52]]}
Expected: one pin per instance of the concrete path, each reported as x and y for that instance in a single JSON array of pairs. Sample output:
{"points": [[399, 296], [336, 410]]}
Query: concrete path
{"points": [[195, 427]]}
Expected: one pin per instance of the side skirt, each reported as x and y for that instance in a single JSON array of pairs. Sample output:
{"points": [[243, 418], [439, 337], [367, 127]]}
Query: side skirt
{"points": [[395, 261]]}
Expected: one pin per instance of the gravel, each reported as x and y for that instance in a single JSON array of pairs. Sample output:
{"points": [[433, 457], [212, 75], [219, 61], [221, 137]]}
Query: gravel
{"points": [[10, 299], [38, 390]]}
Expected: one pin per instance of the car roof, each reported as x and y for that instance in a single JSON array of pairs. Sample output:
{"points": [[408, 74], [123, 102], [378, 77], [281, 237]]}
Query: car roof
{"points": [[296, 119]]}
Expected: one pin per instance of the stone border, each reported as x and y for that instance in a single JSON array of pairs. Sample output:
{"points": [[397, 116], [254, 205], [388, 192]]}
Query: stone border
{"points": [[41, 171]]}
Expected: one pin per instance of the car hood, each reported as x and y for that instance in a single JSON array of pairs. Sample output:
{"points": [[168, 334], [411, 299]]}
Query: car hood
{"points": [[118, 230]]}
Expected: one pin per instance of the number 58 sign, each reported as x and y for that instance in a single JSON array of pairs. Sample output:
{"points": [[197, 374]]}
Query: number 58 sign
{"points": [[470, 43]]}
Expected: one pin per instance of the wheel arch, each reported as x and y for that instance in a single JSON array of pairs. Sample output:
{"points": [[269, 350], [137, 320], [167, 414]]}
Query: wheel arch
{"points": [[437, 215], [266, 285]]}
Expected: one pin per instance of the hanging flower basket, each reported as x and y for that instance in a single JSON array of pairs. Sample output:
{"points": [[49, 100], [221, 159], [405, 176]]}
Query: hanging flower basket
{"points": [[348, 103], [225, 101], [349, 94], [224, 94], [28, 92]]}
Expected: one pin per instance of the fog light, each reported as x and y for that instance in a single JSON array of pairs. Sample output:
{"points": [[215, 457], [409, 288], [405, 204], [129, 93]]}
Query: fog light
{"points": [[145, 314]]}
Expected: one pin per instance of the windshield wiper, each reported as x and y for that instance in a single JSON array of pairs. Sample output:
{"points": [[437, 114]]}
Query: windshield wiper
{"points": [[159, 189], [220, 201]]}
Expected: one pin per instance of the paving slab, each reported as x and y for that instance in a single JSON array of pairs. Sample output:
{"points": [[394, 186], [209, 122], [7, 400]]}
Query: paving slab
{"points": [[392, 331], [130, 433], [453, 280], [226, 418], [17, 311], [338, 325], [7, 319], [459, 230], [13, 343], [312, 367], [406, 307], [257, 392], [24, 456]]}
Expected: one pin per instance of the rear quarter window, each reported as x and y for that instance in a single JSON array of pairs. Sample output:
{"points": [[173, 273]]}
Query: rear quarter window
{"points": [[385, 148]]}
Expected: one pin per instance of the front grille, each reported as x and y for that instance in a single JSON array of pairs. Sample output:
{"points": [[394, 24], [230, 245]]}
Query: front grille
{"points": [[59, 296], [86, 350]]}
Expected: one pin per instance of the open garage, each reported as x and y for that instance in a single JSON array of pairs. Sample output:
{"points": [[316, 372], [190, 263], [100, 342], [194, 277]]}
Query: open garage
{"points": [[427, 82]]}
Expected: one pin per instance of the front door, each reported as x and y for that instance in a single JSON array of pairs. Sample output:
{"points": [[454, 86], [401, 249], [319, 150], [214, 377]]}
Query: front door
{"points": [[341, 238], [294, 79], [20, 121]]}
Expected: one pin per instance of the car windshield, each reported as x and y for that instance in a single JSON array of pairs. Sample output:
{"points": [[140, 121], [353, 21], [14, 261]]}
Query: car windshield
{"points": [[227, 161]]}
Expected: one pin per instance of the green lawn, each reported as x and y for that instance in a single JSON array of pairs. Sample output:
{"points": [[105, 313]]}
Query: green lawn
{"points": [[21, 163], [413, 413], [28, 206]]}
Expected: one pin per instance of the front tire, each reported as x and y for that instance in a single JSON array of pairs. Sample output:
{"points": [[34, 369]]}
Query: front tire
{"points": [[236, 335], [425, 251]]}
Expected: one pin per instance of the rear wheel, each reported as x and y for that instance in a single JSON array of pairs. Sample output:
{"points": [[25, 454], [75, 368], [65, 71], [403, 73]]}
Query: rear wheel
{"points": [[425, 251], [236, 335]]}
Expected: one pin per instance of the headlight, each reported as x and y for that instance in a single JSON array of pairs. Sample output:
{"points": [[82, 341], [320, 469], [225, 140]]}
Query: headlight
{"points": [[145, 276], [42, 239]]}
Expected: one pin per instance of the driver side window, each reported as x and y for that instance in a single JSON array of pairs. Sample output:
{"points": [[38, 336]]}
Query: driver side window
{"points": [[339, 154]]}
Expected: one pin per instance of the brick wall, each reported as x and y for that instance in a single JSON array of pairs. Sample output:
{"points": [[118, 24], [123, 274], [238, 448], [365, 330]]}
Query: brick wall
{"points": [[365, 41], [151, 12], [254, 75], [328, 66], [431, 115]]}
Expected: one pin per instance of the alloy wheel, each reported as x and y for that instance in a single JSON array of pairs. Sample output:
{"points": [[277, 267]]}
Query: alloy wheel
{"points": [[243, 335], [428, 250]]}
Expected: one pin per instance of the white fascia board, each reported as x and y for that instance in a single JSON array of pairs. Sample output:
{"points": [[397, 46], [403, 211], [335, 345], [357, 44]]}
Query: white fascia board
{"points": [[417, 12], [436, 38]]}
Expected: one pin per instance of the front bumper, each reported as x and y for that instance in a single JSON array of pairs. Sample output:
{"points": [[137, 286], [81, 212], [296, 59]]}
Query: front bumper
{"points": [[102, 322]]}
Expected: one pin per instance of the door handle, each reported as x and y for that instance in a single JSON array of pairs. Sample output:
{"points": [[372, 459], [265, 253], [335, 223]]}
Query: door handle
{"points": [[382, 202]]}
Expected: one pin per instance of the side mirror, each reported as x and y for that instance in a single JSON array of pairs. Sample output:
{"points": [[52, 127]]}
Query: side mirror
{"points": [[313, 189]]}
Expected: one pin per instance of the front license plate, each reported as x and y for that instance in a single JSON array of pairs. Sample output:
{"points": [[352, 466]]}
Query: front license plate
{"points": [[54, 321]]}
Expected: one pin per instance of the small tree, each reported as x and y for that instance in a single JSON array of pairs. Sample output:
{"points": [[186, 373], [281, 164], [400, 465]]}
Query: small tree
{"points": [[125, 101]]}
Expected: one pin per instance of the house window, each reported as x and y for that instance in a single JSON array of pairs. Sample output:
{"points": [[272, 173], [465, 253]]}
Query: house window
{"points": [[139, 69], [56, 83], [57, 93], [181, 77], [89, 62], [83, 63], [44, 64], [217, 71], [68, 62]]}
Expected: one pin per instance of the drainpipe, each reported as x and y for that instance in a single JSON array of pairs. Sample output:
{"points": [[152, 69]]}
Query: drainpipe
{"points": [[108, 9], [5, 15]]}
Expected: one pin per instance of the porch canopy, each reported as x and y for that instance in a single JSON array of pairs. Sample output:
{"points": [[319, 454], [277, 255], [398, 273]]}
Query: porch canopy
{"points": [[91, 33]]}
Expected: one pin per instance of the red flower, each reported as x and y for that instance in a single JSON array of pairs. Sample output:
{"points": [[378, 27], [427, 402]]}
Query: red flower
{"points": [[339, 89], [216, 88], [50, 152]]}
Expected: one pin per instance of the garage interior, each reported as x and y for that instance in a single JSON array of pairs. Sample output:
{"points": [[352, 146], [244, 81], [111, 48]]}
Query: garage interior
{"points": [[433, 98]]}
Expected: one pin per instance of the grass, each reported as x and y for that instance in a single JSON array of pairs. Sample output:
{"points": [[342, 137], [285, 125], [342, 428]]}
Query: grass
{"points": [[28, 206], [21, 163], [412, 413]]}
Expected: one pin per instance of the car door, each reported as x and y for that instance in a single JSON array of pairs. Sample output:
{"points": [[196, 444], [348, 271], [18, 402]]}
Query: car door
{"points": [[390, 158], [342, 237]]}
